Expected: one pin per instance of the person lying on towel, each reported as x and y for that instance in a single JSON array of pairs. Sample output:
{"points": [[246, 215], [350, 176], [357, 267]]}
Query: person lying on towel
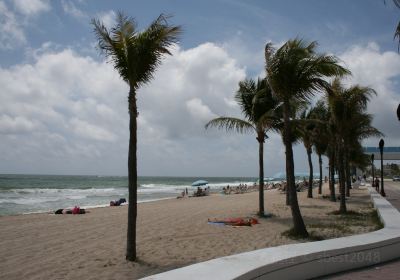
{"points": [[75, 210], [117, 202], [236, 221]]}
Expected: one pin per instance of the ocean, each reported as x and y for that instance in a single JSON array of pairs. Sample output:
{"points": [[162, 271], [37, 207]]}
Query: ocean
{"points": [[24, 194]]}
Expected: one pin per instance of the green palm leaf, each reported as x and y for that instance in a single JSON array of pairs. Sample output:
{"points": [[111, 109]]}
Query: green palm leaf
{"points": [[231, 124]]}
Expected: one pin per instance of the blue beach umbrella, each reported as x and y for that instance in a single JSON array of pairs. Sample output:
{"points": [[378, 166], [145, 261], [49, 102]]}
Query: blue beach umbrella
{"points": [[199, 183]]}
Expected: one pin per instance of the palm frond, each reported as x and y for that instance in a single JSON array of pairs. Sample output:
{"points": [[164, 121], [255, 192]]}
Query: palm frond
{"points": [[270, 121], [397, 31], [113, 49], [151, 45], [231, 124], [296, 71], [136, 55], [244, 97]]}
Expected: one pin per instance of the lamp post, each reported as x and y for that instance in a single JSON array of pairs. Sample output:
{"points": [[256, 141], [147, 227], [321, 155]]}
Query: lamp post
{"points": [[381, 144], [372, 168]]}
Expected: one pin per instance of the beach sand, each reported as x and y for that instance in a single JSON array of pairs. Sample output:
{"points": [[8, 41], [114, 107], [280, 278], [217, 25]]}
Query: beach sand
{"points": [[171, 234]]}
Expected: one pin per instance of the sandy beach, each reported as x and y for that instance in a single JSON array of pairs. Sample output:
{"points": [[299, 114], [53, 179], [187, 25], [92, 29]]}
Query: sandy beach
{"points": [[171, 233]]}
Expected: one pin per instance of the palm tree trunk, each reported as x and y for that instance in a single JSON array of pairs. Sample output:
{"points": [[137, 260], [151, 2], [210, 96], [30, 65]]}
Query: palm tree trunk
{"points": [[299, 227], [260, 139], [132, 178], [287, 184], [347, 173], [311, 177], [332, 176], [287, 178], [320, 174], [342, 181]]}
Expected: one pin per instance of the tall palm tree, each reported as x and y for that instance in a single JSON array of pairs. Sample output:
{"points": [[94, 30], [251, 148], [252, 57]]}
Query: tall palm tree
{"points": [[135, 55], [295, 71], [308, 140], [359, 128], [347, 107], [321, 140], [257, 104]]}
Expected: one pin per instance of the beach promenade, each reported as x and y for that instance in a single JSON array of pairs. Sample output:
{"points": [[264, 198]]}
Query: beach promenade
{"points": [[389, 270]]}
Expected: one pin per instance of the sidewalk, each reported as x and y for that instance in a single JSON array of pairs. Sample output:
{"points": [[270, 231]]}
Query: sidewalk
{"points": [[387, 271]]}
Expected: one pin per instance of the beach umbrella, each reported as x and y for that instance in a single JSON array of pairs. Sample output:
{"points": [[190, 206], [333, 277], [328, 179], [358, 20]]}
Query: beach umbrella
{"points": [[199, 183]]}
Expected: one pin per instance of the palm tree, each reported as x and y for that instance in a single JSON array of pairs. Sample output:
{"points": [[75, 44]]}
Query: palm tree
{"points": [[135, 55], [257, 104], [320, 142], [347, 107], [359, 128], [295, 72], [307, 138]]}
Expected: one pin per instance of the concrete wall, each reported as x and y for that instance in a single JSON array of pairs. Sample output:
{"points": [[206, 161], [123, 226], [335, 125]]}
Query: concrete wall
{"points": [[304, 260]]}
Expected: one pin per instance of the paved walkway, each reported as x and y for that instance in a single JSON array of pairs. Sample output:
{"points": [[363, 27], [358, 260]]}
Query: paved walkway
{"points": [[389, 270]]}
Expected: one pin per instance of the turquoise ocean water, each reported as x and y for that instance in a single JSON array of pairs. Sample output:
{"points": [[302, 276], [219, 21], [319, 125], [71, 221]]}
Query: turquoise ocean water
{"points": [[20, 194]]}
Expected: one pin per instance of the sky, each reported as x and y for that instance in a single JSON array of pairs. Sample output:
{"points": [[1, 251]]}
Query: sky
{"points": [[63, 108]]}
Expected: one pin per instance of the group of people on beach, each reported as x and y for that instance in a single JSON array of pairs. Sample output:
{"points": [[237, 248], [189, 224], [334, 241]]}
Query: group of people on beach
{"points": [[201, 192], [77, 210], [198, 192], [242, 188]]}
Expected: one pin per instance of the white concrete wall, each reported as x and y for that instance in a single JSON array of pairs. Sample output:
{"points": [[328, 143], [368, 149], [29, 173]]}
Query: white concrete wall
{"points": [[304, 260]]}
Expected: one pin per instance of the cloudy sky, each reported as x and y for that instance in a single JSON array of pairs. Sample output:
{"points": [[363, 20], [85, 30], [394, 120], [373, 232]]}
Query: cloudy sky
{"points": [[63, 109]]}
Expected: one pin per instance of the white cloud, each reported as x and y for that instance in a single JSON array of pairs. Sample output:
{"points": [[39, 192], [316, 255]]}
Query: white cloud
{"points": [[9, 125], [107, 18], [13, 24], [69, 112], [198, 110], [206, 73], [32, 7], [73, 111], [381, 71], [62, 106], [11, 31], [91, 131], [70, 9]]}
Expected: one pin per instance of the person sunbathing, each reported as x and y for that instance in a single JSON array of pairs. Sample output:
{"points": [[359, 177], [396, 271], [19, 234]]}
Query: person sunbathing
{"points": [[75, 210], [236, 221], [117, 202]]}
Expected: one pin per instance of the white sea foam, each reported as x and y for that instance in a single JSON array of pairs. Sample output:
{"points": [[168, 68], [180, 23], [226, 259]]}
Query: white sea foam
{"points": [[29, 200], [35, 196], [47, 199], [57, 191]]}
